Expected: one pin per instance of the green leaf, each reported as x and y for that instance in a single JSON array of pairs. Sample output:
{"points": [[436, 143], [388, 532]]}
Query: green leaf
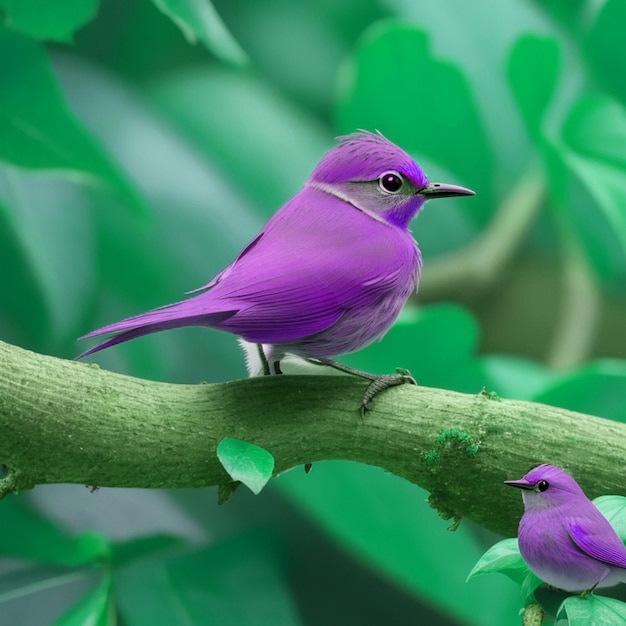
{"points": [[595, 130], [25, 312], [283, 142], [604, 45], [464, 34], [93, 609], [42, 19], [199, 220], [45, 542], [614, 509], [435, 343], [199, 21], [504, 558], [596, 388], [48, 238], [234, 582], [387, 523], [396, 84], [587, 168], [592, 610], [245, 462], [127, 552], [515, 377], [532, 71], [572, 15], [37, 131], [319, 36]]}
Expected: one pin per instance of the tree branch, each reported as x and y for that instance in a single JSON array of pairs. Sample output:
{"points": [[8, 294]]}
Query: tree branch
{"points": [[579, 309], [480, 265], [63, 421]]}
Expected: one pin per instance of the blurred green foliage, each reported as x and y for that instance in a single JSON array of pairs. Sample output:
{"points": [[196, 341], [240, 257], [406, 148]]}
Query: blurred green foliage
{"points": [[134, 166]]}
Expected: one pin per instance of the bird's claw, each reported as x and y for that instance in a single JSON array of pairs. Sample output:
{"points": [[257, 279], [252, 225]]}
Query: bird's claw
{"points": [[380, 383]]}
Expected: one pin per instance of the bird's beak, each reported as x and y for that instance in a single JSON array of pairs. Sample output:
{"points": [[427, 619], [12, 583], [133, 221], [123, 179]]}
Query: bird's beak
{"points": [[443, 190], [520, 484]]}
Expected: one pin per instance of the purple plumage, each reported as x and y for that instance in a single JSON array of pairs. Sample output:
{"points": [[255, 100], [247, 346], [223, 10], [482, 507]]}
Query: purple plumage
{"points": [[563, 537], [329, 272]]}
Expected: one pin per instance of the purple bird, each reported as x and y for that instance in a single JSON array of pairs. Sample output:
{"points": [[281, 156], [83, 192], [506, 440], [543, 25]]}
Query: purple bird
{"points": [[563, 537], [329, 272]]}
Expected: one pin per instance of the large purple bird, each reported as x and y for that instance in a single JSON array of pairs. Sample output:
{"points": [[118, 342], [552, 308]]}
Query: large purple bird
{"points": [[329, 272], [563, 537]]}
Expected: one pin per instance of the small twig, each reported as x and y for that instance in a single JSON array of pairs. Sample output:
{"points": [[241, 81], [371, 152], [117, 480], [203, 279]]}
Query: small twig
{"points": [[579, 309]]}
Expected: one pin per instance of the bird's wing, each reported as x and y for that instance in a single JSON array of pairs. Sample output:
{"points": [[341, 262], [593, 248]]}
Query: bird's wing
{"points": [[306, 270], [315, 259], [276, 307], [595, 536], [260, 303]]}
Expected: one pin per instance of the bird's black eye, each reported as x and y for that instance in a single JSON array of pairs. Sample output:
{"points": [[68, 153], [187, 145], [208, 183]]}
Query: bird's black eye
{"points": [[542, 485], [391, 182]]}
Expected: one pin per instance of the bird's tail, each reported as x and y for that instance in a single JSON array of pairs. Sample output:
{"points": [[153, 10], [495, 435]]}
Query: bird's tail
{"points": [[185, 313]]}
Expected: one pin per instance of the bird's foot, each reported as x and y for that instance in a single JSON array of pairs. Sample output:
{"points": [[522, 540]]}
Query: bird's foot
{"points": [[587, 592], [264, 362], [269, 369], [380, 383], [377, 384]]}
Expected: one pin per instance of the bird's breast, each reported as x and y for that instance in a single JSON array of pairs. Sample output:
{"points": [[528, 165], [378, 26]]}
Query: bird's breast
{"points": [[550, 553]]}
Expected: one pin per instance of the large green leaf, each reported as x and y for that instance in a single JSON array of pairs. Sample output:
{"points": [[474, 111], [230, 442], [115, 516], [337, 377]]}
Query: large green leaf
{"points": [[463, 33], [41, 541], [316, 34], [200, 220], [587, 168], [515, 377], [605, 45], [614, 509], [199, 21], [533, 72], [395, 83], [386, 522], [596, 388], [143, 547], [93, 609], [593, 609], [436, 343], [504, 558], [571, 14], [25, 317], [42, 19], [37, 130], [267, 155], [234, 582], [48, 243]]}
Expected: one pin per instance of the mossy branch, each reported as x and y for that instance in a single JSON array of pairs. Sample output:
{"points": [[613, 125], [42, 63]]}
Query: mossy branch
{"points": [[63, 421]]}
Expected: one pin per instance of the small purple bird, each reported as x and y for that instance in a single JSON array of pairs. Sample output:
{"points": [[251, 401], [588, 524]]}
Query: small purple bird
{"points": [[563, 537], [329, 272]]}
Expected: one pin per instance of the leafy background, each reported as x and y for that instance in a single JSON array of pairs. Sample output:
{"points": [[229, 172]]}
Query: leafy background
{"points": [[143, 144]]}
